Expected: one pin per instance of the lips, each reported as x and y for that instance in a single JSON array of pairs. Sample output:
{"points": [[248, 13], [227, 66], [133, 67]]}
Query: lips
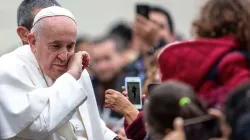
{"points": [[63, 67], [60, 65]]}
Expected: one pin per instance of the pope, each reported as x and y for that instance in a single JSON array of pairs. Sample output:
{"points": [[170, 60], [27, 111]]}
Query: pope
{"points": [[45, 91]]}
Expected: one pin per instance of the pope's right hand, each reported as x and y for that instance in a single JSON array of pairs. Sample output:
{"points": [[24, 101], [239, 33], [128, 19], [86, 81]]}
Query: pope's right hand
{"points": [[77, 63]]}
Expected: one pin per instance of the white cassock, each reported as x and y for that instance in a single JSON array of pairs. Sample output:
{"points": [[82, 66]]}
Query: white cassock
{"points": [[32, 107]]}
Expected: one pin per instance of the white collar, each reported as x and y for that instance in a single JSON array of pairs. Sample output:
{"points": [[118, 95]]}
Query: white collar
{"points": [[33, 60]]}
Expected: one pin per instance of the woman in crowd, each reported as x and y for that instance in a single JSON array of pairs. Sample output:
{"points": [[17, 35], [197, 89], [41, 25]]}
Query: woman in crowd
{"points": [[235, 121], [218, 59], [168, 101]]}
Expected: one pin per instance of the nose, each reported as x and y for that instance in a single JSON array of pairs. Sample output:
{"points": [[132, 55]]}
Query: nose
{"points": [[102, 66], [63, 55]]}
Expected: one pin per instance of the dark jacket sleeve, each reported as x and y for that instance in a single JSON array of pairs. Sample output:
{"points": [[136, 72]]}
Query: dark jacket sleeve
{"points": [[136, 130]]}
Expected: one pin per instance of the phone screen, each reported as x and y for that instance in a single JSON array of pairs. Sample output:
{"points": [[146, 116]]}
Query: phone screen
{"points": [[134, 92], [202, 130], [151, 87]]}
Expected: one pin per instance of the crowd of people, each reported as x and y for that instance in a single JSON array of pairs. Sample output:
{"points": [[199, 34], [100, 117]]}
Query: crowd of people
{"points": [[61, 85]]}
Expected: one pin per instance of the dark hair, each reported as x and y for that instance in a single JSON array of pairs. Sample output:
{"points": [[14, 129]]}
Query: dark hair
{"points": [[119, 44], [123, 30], [81, 39], [167, 15], [163, 106], [237, 111], [223, 17], [25, 11]]}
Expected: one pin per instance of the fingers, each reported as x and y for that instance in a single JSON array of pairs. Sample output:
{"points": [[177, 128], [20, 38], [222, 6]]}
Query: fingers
{"points": [[144, 97], [111, 91], [141, 24], [85, 58], [225, 128], [124, 92], [217, 139], [217, 113], [123, 88], [109, 100], [178, 132], [147, 30], [139, 29], [108, 103], [122, 138], [140, 19], [110, 97], [178, 124]]}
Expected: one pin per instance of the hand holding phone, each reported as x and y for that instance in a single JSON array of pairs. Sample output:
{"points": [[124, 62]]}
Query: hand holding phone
{"points": [[143, 9], [201, 128], [178, 132], [146, 29], [133, 87], [151, 86]]}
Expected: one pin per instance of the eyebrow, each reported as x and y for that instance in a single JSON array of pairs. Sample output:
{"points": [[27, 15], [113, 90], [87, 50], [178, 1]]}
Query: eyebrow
{"points": [[60, 42], [72, 43], [56, 42]]}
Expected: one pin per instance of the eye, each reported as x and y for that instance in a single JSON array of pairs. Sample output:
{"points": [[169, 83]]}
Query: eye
{"points": [[96, 61], [107, 58], [54, 47], [70, 48]]}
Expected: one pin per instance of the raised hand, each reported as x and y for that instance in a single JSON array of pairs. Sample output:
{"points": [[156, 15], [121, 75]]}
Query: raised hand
{"points": [[77, 63]]}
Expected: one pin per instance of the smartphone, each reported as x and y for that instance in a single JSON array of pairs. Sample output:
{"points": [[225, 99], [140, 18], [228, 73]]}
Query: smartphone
{"points": [[133, 87], [151, 86], [143, 9], [202, 128]]}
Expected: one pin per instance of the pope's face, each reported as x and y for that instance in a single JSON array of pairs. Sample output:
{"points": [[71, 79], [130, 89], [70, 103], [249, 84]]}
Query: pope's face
{"points": [[54, 45]]}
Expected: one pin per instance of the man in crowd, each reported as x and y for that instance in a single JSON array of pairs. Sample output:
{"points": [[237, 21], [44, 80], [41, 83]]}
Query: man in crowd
{"points": [[109, 68], [156, 30], [26, 12], [163, 19], [46, 93], [151, 34], [85, 44]]}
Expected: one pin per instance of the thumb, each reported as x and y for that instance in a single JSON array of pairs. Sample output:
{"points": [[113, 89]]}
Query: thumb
{"points": [[144, 97], [178, 124], [123, 88]]}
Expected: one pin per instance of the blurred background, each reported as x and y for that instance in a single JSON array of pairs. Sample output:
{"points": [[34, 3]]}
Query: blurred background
{"points": [[95, 17]]}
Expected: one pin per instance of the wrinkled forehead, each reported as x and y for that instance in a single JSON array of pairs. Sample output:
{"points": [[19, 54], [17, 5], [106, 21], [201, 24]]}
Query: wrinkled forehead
{"points": [[105, 47], [60, 28]]}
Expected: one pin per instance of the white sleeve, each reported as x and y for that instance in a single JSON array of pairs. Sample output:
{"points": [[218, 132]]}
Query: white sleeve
{"points": [[65, 96], [41, 111], [85, 81], [108, 134]]}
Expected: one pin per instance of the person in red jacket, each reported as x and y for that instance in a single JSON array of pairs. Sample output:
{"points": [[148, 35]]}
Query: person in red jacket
{"points": [[214, 63], [207, 65]]}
